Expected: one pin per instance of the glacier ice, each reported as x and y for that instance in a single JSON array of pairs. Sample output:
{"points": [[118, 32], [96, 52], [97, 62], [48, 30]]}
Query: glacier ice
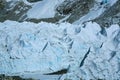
{"points": [[45, 47]]}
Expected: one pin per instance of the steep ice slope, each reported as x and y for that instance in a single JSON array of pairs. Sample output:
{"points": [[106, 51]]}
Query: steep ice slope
{"points": [[86, 53]]}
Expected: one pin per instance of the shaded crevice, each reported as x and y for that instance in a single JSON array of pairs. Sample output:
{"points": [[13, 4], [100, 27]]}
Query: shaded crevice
{"points": [[103, 31], [113, 53], [31, 1], [45, 47], [60, 72], [101, 45], [82, 62]]}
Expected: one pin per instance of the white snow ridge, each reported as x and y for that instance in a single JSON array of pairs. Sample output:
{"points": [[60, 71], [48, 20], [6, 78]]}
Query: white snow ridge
{"points": [[85, 51]]}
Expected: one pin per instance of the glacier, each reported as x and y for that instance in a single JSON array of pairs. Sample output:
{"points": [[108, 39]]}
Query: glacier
{"points": [[44, 47]]}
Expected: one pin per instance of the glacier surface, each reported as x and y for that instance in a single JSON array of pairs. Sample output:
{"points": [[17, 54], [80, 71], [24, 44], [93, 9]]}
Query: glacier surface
{"points": [[87, 51]]}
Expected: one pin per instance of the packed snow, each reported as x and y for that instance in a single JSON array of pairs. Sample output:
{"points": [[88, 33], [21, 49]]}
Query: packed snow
{"points": [[45, 47]]}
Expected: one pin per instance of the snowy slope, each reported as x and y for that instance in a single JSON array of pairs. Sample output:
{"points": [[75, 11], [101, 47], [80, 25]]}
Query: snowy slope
{"points": [[44, 9], [28, 48]]}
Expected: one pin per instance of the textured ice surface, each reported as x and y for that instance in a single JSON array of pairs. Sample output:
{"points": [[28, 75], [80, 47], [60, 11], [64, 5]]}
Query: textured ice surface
{"points": [[45, 47]]}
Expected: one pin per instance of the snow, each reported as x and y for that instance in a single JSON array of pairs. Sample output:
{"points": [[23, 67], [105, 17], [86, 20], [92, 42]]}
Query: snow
{"points": [[46, 47], [94, 13], [43, 9]]}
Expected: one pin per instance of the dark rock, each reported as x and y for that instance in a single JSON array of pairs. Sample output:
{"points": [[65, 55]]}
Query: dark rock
{"points": [[4, 77], [9, 13], [52, 20], [110, 16], [2, 4], [77, 8]]}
